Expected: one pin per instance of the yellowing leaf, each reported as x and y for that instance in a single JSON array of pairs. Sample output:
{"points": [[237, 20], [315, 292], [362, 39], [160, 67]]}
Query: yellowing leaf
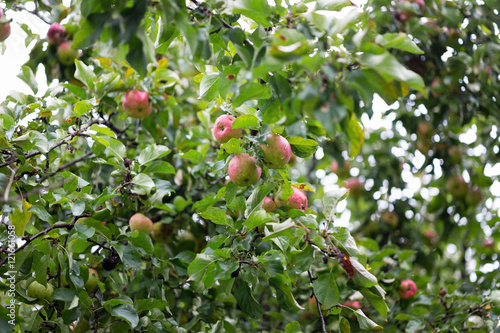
{"points": [[129, 72], [20, 218], [355, 134]]}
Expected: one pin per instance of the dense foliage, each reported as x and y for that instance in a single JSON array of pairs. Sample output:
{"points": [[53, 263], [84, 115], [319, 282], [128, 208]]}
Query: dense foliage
{"points": [[126, 128]]}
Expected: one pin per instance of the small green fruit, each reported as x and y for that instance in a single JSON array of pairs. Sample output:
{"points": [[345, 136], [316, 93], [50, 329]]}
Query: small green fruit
{"points": [[92, 280], [39, 291]]}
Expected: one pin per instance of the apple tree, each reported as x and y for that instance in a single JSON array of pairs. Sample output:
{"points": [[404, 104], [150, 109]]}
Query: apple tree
{"points": [[218, 166]]}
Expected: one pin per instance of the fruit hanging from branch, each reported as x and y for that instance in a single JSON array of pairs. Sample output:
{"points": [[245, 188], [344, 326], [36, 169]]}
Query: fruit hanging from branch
{"points": [[223, 130], [277, 151], [136, 104], [243, 170]]}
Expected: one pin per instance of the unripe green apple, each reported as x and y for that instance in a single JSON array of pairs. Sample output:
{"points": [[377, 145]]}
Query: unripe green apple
{"points": [[223, 130], [39, 291], [141, 223], [135, 104], [269, 205], [277, 151], [407, 289], [457, 186], [92, 280], [162, 232], [66, 54], [474, 196], [243, 170], [298, 200]]}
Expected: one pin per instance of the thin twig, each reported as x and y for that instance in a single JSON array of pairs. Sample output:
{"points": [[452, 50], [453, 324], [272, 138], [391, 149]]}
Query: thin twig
{"points": [[323, 326], [64, 166], [9, 185]]}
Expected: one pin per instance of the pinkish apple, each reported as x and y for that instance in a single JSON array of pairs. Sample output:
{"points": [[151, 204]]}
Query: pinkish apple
{"points": [[353, 304], [298, 200], [136, 104], [4, 27], [243, 170], [355, 187], [277, 151], [223, 130], [269, 205], [407, 289], [56, 34], [141, 223], [66, 54]]}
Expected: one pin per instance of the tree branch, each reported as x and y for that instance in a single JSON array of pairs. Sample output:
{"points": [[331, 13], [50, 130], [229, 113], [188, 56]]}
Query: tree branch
{"points": [[318, 305], [42, 233], [64, 166]]}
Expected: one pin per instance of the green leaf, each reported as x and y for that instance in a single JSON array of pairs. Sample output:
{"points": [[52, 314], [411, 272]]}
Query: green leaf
{"points": [[159, 167], [217, 215], [257, 218], [293, 327], [376, 301], [233, 146], [257, 10], [143, 241], [29, 78], [330, 202], [344, 325], [63, 294], [246, 301], [40, 212], [390, 68], [256, 199], [326, 290], [19, 219], [144, 181], [208, 86], [152, 152], [245, 121], [366, 323], [103, 130], [250, 91], [85, 74], [127, 313], [399, 41], [302, 147], [361, 276], [284, 296], [355, 135], [332, 4], [198, 267], [116, 148], [82, 107]]}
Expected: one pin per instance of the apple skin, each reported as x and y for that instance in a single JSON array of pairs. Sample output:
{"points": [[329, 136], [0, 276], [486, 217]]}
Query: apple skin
{"points": [[474, 197], [56, 34], [141, 223], [162, 232], [66, 54], [39, 291], [92, 281], [298, 200], [390, 218], [457, 186], [277, 151], [269, 205], [355, 187], [136, 104], [353, 304], [223, 130], [243, 171], [407, 289], [4, 31]]}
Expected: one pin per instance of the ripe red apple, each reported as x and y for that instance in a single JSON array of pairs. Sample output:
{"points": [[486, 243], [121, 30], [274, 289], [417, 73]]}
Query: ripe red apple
{"points": [[355, 187], [431, 235], [56, 34], [269, 205], [66, 54], [407, 289], [223, 130], [243, 170], [92, 281], [457, 186], [136, 104], [455, 155], [390, 218], [474, 196], [4, 27], [298, 200], [142, 223], [277, 151]]}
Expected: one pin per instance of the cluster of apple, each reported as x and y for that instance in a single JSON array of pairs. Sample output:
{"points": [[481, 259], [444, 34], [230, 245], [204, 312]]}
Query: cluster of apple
{"points": [[243, 169], [56, 36], [4, 27]]}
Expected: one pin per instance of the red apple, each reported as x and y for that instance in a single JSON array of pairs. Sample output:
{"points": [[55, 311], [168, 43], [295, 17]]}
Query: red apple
{"points": [[56, 34], [4, 28], [66, 54], [355, 187], [489, 242], [141, 223], [269, 205], [243, 170], [298, 200], [223, 130], [407, 289], [457, 186], [277, 151], [354, 304], [136, 104]]}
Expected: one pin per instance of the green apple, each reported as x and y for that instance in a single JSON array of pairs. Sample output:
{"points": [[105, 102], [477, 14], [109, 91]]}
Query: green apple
{"points": [[39, 291], [66, 54], [92, 280]]}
